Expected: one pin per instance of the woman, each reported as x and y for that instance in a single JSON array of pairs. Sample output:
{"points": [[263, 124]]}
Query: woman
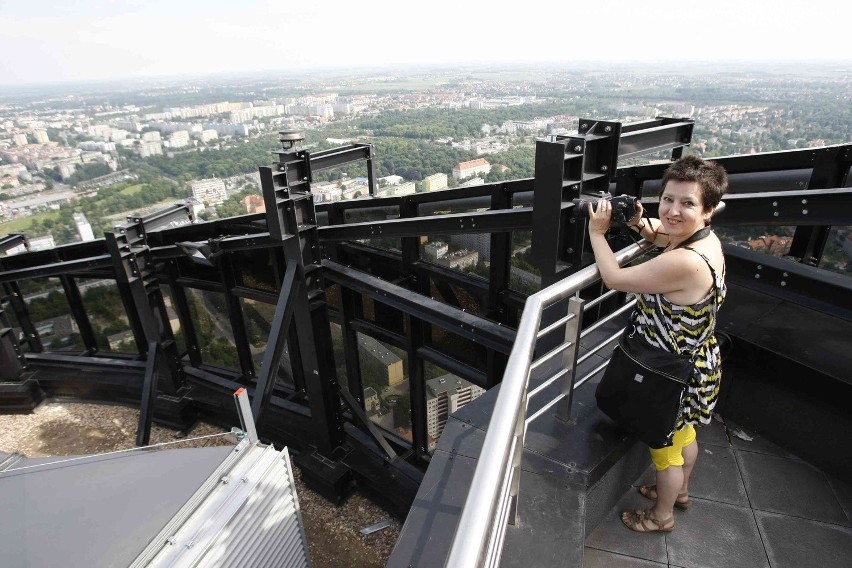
{"points": [[678, 294]]}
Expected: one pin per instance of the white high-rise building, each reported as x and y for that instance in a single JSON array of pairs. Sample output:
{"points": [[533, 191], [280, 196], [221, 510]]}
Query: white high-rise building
{"points": [[179, 139], [41, 136], [209, 191], [445, 395], [152, 148], [84, 228]]}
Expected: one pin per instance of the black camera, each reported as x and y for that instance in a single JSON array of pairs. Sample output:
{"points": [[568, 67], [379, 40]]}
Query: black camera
{"points": [[623, 207]]}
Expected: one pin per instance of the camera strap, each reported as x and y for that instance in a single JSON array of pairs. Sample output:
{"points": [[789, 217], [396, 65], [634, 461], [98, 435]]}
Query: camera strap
{"points": [[696, 236]]}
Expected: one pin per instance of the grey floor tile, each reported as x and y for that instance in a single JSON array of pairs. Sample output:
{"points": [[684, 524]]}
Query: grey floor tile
{"points": [[799, 543], [716, 535], [715, 477], [757, 443], [593, 558], [843, 491], [789, 487], [611, 535], [713, 433]]}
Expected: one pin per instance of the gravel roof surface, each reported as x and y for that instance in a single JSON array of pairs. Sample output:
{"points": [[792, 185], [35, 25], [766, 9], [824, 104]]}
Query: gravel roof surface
{"points": [[60, 428]]}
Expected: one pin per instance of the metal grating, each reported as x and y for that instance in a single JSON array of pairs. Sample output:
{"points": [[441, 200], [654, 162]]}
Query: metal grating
{"points": [[247, 515]]}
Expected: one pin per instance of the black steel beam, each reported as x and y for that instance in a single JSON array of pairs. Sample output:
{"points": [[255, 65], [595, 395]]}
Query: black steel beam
{"points": [[19, 307], [181, 305], [371, 429], [336, 157], [78, 312], [802, 208], [822, 290], [500, 253], [275, 343], [180, 213], [12, 240], [149, 394], [417, 388], [351, 311], [454, 366], [547, 232], [56, 268], [830, 170], [654, 135], [377, 332], [453, 223], [486, 333], [237, 318]]}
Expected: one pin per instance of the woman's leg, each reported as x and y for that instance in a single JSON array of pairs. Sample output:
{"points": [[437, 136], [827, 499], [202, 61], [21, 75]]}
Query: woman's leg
{"points": [[669, 483], [674, 465], [690, 456], [682, 453]]}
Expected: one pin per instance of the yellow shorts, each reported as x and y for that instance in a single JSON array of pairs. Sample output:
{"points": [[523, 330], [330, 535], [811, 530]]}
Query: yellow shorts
{"points": [[673, 455]]}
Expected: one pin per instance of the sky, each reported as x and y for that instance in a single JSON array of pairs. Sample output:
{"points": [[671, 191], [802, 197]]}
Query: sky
{"points": [[42, 41]]}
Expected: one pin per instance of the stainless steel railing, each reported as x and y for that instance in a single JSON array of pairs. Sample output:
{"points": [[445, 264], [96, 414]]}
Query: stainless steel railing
{"points": [[491, 503]]}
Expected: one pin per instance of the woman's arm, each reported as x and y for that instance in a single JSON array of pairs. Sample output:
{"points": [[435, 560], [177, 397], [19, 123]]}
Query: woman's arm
{"points": [[648, 229], [668, 273]]}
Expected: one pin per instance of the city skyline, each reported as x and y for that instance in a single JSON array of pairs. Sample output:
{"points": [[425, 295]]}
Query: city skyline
{"points": [[125, 39]]}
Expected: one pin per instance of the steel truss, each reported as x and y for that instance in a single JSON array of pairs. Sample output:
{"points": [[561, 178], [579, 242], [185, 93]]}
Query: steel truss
{"points": [[357, 265]]}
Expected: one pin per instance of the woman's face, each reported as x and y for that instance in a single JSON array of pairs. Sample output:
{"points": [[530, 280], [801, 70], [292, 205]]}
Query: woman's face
{"points": [[682, 208]]}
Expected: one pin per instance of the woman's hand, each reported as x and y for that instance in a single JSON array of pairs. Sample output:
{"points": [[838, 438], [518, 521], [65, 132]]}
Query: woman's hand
{"points": [[636, 219], [600, 217]]}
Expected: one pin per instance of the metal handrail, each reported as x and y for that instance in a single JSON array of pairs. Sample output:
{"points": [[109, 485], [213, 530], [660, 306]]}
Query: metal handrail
{"points": [[489, 506]]}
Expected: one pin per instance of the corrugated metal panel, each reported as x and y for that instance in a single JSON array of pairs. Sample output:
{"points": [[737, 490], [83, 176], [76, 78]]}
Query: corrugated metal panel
{"points": [[247, 517]]}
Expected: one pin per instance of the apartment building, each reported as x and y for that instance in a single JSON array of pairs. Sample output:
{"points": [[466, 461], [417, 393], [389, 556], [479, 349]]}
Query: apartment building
{"points": [[471, 168], [445, 395], [435, 182], [209, 191]]}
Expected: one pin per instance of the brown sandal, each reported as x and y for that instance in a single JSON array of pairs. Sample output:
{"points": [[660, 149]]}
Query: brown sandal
{"points": [[650, 492], [644, 521]]}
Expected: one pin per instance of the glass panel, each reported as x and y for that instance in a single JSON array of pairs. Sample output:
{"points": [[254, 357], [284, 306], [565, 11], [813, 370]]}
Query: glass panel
{"points": [[457, 296], [366, 214], [341, 184], [333, 297], [464, 350], [258, 318], [393, 244], [51, 315], [254, 270], [465, 252], [524, 276], [445, 394], [215, 337], [375, 214], [774, 240], [173, 321], [384, 375], [837, 256], [339, 355], [107, 315]]}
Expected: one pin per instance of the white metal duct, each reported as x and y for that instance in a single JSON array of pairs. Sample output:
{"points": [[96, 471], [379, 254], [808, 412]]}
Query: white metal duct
{"points": [[246, 515]]}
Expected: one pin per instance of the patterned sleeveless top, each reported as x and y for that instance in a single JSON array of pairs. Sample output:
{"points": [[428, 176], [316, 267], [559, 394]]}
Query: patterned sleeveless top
{"points": [[687, 330]]}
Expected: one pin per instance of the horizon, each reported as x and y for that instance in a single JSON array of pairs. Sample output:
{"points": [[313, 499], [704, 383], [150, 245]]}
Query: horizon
{"points": [[331, 72], [55, 45]]}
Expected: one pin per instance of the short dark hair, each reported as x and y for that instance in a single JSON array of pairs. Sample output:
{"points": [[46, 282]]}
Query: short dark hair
{"points": [[711, 177]]}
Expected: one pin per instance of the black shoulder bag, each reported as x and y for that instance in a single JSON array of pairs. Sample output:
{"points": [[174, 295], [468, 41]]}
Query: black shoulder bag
{"points": [[643, 385]]}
